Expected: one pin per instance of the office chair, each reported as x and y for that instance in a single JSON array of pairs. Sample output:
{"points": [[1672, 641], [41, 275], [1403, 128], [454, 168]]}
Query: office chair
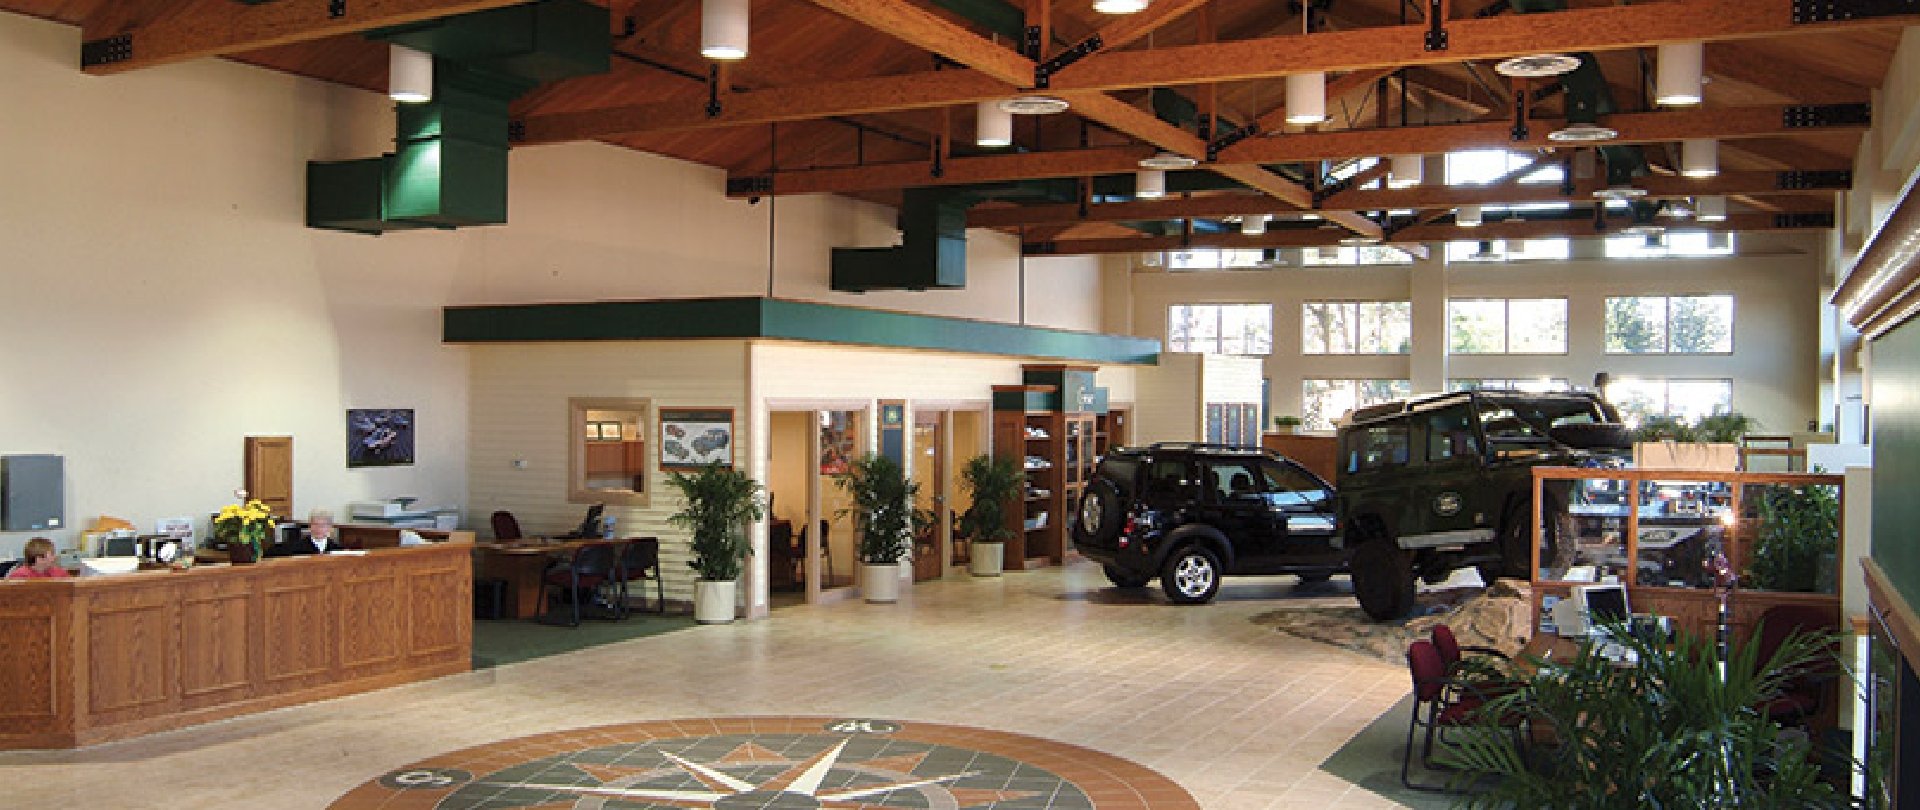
{"points": [[826, 549], [638, 556], [505, 527], [590, 567]]}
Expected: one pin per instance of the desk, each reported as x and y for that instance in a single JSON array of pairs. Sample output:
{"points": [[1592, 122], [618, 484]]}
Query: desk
{"points": [[521, 563]]}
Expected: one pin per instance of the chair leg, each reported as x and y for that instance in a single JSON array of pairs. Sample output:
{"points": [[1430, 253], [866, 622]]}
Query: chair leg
{"points": [[659, 592], [1406, 756], [575, 593]]}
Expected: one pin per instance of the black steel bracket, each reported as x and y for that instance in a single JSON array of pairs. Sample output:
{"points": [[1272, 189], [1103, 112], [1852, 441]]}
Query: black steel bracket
{"points": [[106, 50], [756, 184], [1819, 11], [1819, 220], [1030, 46], [1229, 138], [1798, 181], [1043, 72], [1813, 116], [713, 91], [1040, 248], [517, 131], [1436, 27], [336, 8], [939, 162], [1519, 131]]}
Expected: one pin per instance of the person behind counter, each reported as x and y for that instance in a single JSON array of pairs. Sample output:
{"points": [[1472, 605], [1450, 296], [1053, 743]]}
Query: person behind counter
{"points": [[41, 562], [319, 539]]}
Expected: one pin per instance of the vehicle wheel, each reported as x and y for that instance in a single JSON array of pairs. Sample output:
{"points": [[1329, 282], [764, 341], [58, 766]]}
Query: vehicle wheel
{"points": [[1192, 576], [1098, 521], [1383, 579], [1516, 545], [1121, 578], [1316, 577]]}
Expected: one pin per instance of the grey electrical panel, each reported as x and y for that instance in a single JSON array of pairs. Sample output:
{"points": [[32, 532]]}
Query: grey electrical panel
{"points": [[32, 493]]}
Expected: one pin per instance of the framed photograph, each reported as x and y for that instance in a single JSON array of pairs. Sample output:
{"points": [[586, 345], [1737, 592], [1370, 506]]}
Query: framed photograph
{"points": [[695, 437], [379, 437], [837, 437]]}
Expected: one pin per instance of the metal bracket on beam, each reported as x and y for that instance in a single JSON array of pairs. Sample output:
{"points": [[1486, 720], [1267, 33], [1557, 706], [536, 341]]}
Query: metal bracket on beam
{"points": [[1819, 11], [516, 131], [1811, 116], [713, 91], [939, 161], [1819, 220], [1030, 46], [757, 184], [1229, 138], [1796, 181], [336, 8], [1043, 72], [1040, 248], [1519, 131], [1436, 27], [107, 50]]}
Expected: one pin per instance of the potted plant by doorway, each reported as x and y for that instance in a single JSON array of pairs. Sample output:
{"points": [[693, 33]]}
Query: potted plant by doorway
{"points": [[884, 516], [1286, 424], [995, 486], [720, 501]]}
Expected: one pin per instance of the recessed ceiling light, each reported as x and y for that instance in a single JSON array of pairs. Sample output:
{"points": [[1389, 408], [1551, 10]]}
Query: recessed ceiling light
{"points": [[1582, 133], [1644, 230], [1620, 193], [1538, 66], [1168, 160], [1358, 239], [1034, 105], [1119, 6]]}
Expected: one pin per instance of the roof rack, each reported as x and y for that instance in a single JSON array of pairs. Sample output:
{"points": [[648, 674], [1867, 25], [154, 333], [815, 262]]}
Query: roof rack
{"points": [[1203, 446]]}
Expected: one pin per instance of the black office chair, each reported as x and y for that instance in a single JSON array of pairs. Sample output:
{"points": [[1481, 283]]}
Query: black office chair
{"points": [[582, 575], [638, 556], [826, 549]]}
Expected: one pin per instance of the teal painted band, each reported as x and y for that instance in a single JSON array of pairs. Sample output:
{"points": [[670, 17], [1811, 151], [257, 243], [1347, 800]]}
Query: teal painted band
{"points": [[748, 318]]}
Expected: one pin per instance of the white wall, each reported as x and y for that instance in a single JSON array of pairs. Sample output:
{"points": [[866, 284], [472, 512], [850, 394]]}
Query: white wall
{"points": [[163, 296]]}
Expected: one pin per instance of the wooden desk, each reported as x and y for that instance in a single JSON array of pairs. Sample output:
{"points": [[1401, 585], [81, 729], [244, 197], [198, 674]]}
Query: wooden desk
{"points": [[521, 563], [94, 659]]}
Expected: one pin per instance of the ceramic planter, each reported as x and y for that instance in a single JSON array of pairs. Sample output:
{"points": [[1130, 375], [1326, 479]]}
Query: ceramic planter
{"points": [[987, 559], [713, 601], [880, 584]]}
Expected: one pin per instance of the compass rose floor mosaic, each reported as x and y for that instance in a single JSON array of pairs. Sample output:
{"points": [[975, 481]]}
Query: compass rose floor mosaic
{"points": [[772, 763]]}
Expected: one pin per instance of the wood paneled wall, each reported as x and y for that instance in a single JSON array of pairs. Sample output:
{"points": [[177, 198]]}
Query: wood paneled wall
{"points": [[97, 659]]}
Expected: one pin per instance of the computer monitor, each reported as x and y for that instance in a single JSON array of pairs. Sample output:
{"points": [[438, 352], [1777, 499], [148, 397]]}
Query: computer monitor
{"points": [[1603, 603], [105, 566], [590, 525]]}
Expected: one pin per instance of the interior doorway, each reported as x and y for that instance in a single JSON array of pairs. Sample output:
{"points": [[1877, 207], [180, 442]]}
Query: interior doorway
{"points": [[810, 552], [929, 471]]}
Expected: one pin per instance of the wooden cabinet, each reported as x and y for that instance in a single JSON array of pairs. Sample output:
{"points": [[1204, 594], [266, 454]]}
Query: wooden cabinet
{"points": [[269, 472]]}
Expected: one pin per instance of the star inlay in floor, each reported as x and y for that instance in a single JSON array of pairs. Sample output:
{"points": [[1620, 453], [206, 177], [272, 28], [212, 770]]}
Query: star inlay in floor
{"points": [[772, 763]]}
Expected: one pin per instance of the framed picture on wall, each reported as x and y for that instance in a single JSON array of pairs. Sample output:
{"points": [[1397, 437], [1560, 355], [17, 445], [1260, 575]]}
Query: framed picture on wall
{"points": [[379, 437], [696, 437]]}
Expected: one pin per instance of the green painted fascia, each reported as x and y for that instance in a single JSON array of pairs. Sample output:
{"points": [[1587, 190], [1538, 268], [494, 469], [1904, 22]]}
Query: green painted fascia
{"points": [[767, 318], [1896, 457]]}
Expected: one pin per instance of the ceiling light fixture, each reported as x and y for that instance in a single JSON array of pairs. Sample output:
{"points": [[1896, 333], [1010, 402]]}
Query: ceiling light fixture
{"points": [[1468, 216], [1120, 6], [1538, 66], [1406, 171], [1711, 208], [1620, 193], [409, 75], [1034, 105], [992, 125], [1582, 133], [723, 29], [1253, 224], [1168, 160], [1488, 251], [1699, 157], [1358, 239], [1306, 98], [1149, 184], [1677, 74]]}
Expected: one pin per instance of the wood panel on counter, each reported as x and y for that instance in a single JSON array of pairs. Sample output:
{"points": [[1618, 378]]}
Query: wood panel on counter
{"points": [[1320, 454], [104, 658]]}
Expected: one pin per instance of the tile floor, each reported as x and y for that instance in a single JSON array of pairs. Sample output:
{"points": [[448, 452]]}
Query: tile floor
{"points": [[1239, 715]]}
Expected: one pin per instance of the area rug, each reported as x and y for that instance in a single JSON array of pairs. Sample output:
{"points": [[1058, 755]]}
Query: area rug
{"points": [[772, 763], [1371, 760], [510, 641]]}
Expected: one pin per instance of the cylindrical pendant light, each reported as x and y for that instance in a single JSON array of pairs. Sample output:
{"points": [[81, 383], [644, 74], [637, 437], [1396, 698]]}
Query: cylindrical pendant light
{"points": [[1253, 224], [1467, 216], [723, 29], [1699, 157], [1306, 98], [1407, 171], [1120, 6], [1149, 183], [1677, 74], [992, 126], [1710, 209], [409, 75]]}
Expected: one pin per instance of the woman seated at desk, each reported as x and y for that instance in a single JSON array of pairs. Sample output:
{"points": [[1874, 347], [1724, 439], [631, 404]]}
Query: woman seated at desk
{"points": [[41, 562]]}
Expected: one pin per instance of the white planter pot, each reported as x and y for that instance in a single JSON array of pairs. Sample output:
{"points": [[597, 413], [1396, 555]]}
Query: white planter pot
{"points": [[1671, 455], [880, 583], [987, 559], [713, 601]]}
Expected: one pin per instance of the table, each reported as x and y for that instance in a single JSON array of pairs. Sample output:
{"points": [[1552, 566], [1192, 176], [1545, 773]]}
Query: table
{"points": [[522, 563]]}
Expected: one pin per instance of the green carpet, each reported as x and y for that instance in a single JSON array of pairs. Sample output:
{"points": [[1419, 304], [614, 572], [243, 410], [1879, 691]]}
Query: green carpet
{"points": [[1372, 760], [510, 641]]}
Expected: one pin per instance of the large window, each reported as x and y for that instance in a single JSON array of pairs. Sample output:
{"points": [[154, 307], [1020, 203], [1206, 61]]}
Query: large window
{"points": [[1536, 385], [1482, 166], [1353, 255], [1220, 328], [1356, 327], [1695, 324], [1216, 259], [1508, 250], [1669, 245], [1323, 401], [1507, 326], [1688, 400]]}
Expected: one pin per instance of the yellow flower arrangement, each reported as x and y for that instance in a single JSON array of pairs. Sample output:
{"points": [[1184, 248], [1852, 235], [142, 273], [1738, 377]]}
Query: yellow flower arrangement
{"points": [[249, 522]]}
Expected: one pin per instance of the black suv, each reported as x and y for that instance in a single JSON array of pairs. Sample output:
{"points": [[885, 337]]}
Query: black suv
{"points": [[1436, 483], [1189, 513]]}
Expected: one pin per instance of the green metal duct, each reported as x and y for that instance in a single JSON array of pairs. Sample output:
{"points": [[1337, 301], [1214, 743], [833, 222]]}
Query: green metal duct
{"points": [[932, 253], [1588, 98], [997, 16], [449, 165]]}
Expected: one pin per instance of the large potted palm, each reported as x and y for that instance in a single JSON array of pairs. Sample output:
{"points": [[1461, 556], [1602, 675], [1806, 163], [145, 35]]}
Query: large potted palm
{"points": [[720, 501], [885, 520], [994, 485]]}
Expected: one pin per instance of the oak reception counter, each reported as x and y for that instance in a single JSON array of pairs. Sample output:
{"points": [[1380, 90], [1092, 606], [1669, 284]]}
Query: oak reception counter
{"points": [[94, 659]]}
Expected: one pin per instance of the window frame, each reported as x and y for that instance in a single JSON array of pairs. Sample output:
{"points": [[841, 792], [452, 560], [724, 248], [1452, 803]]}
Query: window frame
{"points": [[578, 438], [1666, 332], [1506, 328], [1352, 309], [1218, 337]]}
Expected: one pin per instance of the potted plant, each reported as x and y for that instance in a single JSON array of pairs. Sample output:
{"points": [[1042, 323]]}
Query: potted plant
{"points": [[1709, 443], [244, 527], [885, 520], [1286, 424], [1798, 537], [995, 485], [719, 502]]}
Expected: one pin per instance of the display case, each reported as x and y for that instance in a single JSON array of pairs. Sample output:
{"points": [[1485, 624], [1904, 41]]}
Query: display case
{"points": [[1049, 431]]}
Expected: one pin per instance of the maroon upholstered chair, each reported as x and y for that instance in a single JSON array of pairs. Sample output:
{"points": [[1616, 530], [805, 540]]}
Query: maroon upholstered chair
{"points": [[1805, 694], [505, 527], [1451, 653], [581, 576], [1440, 702]]}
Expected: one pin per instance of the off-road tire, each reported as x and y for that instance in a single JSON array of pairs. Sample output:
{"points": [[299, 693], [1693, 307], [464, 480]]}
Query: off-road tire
{"points": [[1191, 575], [1515, 543], [1097, 519], [1383, 579], [1122, 579]]}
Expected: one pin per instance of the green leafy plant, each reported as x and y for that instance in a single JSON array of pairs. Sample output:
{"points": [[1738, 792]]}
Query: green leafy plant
{"points": [[1720, 426], [1724, 426], [882, 507], [1287, 421], [1798, 526], [1664, 428], [1669, 731], [719, 502], [994, 485]]}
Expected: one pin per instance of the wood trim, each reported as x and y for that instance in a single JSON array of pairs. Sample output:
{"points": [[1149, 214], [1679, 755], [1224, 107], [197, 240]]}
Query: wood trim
{"points": [[931, 32], [1895, 610]]}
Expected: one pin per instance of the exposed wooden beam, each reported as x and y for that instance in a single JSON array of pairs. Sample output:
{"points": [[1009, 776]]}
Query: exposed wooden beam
{"points": [[1724, 123], [924, 29], [1582, 29], [1795, 81], [180, 31], [1327, 237], [1132, 27], [961, 170], [1275, 119]]}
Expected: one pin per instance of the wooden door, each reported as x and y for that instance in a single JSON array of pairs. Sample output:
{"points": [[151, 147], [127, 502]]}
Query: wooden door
{"points": [[269, 472]]}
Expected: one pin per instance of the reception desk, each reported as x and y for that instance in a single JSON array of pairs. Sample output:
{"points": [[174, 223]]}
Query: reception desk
{"points": [[95, 659]]}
